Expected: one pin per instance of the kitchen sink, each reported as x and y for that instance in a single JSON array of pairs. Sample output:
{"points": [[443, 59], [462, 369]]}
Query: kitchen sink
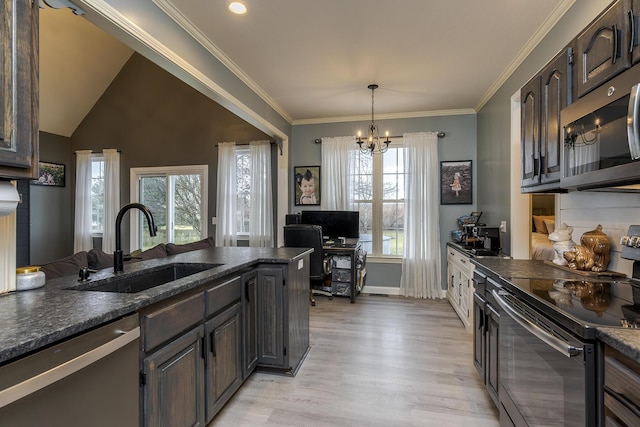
{"points": [[145, 279]]}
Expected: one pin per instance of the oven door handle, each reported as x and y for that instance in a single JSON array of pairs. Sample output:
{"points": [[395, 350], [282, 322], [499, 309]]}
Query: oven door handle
{"points": [[555, 342]]}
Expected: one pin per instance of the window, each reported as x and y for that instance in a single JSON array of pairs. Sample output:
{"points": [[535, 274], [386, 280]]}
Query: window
{"points": [[378, 194], [97, 194], [243, 181], [177, 198]]}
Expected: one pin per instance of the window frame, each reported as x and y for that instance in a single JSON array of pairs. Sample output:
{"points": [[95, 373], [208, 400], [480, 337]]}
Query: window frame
{"points": [[167, 171], [95, 158], [377, 202], [242, 150]]}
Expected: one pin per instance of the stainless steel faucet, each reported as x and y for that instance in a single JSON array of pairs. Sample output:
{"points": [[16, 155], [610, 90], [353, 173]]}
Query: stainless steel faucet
{"points": [[118, 257]]}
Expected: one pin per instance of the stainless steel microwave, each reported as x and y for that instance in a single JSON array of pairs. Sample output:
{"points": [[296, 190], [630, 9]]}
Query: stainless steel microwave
{"points": [[601, 137]]}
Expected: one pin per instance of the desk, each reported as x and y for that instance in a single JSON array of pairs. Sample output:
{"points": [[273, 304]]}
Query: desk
{"points": [[348, 269]]}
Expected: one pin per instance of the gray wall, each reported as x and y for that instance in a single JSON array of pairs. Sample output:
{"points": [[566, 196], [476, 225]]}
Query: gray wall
{"points": [[458, 144], [157, 120], [494, 119], [51, 222]]}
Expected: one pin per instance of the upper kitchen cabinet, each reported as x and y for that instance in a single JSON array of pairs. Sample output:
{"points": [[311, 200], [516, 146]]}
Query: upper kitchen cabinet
{"points": [[19, 89], [542, 99], [603, 48]]}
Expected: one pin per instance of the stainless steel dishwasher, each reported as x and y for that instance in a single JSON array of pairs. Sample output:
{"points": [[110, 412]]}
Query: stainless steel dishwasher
{"points": [[89, 380]]}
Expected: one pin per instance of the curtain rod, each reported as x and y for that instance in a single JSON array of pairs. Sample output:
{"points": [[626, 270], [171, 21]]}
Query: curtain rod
{"points": [[94, 152], [278, 143], [440, 135]]}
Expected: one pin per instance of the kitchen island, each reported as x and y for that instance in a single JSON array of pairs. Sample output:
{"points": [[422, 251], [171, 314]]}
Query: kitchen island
{"points": [[230, 311]]}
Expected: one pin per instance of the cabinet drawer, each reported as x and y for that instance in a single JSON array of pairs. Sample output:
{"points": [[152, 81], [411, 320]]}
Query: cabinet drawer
{"points": [[621, 379], [619, 414], [165, 323], [223, 295]]}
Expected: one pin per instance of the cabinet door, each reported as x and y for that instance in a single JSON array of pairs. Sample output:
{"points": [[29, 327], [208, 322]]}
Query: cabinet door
{"points": [[602, 49], [492, 376], [479, 321], [634, 20], [530, 132], [555, 88], [19, 89], [223, 346], [174, 391], [271, 316], [466, 295], [250, 322]]}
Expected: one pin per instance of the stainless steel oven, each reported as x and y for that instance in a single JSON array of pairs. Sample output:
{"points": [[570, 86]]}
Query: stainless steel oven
{"points": [[547, 375]]}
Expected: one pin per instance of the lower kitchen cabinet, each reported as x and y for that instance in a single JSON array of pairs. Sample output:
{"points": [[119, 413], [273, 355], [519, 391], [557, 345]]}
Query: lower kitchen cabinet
{"points": [[479, 337], [283, 316], [250, 322], [173, 383], [491, 366], [621, 389], [223, 348], [460, 286]]}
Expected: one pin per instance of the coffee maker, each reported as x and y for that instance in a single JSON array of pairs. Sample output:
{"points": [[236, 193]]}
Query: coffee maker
{"points": [[487, 241]]}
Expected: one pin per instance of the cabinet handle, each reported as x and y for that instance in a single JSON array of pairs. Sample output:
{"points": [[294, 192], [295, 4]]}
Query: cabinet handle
{"points": [[463, 261], [614, 53], [246, 291], [212, 344], [632, 25], [203, 348], [536, 166]]}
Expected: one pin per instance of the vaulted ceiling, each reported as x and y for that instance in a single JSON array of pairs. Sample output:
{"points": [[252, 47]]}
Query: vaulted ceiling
{"points": [[313, 60]]}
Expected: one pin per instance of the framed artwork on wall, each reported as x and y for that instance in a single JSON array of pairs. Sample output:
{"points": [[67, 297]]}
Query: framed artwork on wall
{"points": [[50, 174], [456, 182], [306, 187]]}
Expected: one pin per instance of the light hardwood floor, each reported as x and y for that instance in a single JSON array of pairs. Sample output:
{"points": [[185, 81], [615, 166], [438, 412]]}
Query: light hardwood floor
{"points": [[383, 361]]}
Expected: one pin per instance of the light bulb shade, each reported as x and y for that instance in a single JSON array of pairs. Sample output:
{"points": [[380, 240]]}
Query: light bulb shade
{"points": [[239, 7]]}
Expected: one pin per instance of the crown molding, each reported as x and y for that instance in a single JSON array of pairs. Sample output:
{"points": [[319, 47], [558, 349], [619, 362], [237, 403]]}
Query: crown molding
{"points": [[388, 116], [111, 14], [555, 16], [179, 18]]}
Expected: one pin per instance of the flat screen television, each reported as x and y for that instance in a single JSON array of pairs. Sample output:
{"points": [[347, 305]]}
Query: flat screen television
{"points": [[334, 223]]}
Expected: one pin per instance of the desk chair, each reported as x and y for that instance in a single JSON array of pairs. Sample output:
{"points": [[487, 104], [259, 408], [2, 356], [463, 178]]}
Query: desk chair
{"points": [[310, 236]]}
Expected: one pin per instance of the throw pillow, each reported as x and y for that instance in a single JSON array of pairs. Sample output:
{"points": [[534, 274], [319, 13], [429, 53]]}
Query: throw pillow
{"points": [[69, 266], [173, 249]]}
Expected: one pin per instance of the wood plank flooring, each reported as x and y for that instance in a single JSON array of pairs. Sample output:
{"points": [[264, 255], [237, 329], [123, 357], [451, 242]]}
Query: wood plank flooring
{"points": [[383, 361]]}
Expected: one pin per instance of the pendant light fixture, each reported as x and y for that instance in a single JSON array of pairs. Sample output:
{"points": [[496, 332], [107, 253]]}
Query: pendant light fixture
{"points": [[372, 144]]}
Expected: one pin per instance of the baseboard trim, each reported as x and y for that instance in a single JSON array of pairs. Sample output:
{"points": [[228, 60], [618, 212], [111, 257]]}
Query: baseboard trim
{"points": [[381, 290]]}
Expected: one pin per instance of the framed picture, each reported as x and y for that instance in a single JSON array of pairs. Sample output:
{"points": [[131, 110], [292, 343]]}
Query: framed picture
{"points": [[306, 187], [456, 183], [50, 174]]}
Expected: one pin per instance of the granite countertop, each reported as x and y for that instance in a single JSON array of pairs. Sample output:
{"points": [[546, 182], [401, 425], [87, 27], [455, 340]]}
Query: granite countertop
{"points": [[33, 319], [625, 340]]}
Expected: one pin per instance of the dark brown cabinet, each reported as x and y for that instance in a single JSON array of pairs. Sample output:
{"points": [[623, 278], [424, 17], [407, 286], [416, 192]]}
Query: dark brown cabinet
{"points": [[479, 338], [603, 48], [223, 348], [19, 90], [173, 383], [542, 100], [250, 322], [283, 316], [621, 389], [491, 366]]}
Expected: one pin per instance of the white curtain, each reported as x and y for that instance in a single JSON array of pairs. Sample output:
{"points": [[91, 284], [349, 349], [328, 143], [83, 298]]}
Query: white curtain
{"points": [[261, 206], [227, 196], [421, 263], [335, 181], [111, 198], [82, 224]]}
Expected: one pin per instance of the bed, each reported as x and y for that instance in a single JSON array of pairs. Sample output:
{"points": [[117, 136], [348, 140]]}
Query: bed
{"points": [[541, 246]]}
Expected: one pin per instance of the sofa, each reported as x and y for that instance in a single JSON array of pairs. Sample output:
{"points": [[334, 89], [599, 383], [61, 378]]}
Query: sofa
{"points": [[96, 259]]}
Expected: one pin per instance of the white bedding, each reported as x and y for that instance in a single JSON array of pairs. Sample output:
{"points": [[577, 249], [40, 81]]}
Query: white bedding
{"points": [[541, 247]]}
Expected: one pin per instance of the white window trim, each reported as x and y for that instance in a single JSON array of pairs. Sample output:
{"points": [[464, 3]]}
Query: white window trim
{"points": [[134, 194], [377, 205], [93, 157]]}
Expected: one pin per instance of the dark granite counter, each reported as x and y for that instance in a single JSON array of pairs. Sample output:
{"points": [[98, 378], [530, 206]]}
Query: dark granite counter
{"points": [[625, 340], [33, 319]]}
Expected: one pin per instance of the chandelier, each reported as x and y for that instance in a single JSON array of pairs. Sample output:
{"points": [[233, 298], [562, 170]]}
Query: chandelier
{"points": [[372, 144]]}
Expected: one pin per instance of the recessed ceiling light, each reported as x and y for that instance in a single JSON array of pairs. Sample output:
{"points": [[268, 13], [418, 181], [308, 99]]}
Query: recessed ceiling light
{"points": [[238, 7]]}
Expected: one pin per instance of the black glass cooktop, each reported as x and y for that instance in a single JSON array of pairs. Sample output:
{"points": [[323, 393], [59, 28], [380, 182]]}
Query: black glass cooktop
{"points": [[595, 302]]}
